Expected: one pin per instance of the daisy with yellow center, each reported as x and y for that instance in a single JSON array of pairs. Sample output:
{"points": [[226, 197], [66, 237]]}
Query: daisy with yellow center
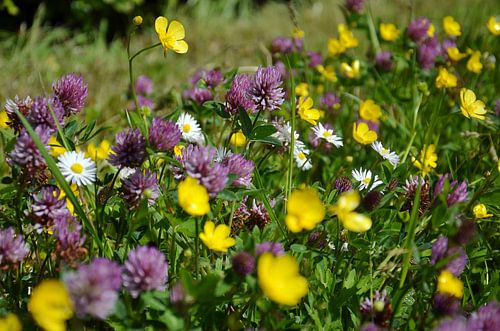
{"points": [[190, 129], [76, 168], [301, 155], [386, 154], [364, 177], [171, 35], [327, 134]]}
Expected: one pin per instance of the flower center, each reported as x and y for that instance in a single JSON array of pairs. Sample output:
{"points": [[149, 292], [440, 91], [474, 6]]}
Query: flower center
{"points": [[186, 128], [77, 167], [384, 151], [367, 180], [302, 156], [326, 134]]}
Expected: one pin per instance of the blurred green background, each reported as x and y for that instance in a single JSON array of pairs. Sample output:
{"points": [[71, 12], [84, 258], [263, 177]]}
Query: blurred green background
{"points": [[44, 40]]}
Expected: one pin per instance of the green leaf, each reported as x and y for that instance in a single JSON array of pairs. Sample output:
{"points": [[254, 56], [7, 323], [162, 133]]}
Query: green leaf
{"points": [[171, 321], [246, 123], [269, 140], [263, 131], [218, 108], [298, 248], [227, 195], [351, 279]]}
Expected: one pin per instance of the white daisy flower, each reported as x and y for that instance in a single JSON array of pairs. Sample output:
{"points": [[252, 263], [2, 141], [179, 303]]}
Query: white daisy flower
{"points": [[126, 172], [301, 154], [222, 153], [386, 154], [190, 129], [76, 168], [327, 134], [284, 133], [364, 177]]}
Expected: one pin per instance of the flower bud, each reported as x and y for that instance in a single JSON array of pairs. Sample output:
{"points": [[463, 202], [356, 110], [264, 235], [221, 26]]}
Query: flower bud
{"points": [[137, 20]]}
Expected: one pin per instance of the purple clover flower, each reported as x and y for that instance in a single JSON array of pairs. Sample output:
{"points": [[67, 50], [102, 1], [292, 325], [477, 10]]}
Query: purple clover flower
{"points": [[26, 154], [199, 163], [243, 263], [457, 323], [446, 304], [164, 135], [143, 85], [130, 149], [383, 61], [237, 96], [146, 269], [417, 30], [70, 240], [315, 59], [282, 45], [138, 187], [486, 318], [427, 52], [40, 114], [23, 106], [47, 207], [441, 250], [71, 90], [94, 287], [330, 101], [241, 167], [13, 249], [459, 193], [144, 102], [343, 184], [198, 95], [355, 5], [273, 247], [213, 78], [265, 89]]}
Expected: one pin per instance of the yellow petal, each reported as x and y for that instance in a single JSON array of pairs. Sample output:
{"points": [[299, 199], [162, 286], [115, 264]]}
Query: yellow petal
{"points": [[176, 30], [356, 222], [180, 47], [161, 24], [209, 228], [468, 96]]}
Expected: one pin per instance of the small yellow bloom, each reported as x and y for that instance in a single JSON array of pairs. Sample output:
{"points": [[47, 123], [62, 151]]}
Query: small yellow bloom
{"points": [[471, 107], [493, 25], [51, 305], [217, 237], [280, 280], [62, 195], [238, 139], [193, 197], [474, 63], [362, 133], [171, 35], [370, 111], [480, 211], [455, 55], [431, 30], [100, 152], [327, 72], [56, 149], [304, 210], [451, 27], [302, 89], [298, 33], [137, 20], [445, 79], [389, 31], [306, 112], [4, 120], [178, 150], [346, 37], [447, 283], [350, 71], [10, 322], [428, 159], [335, 47], [344, 209]]}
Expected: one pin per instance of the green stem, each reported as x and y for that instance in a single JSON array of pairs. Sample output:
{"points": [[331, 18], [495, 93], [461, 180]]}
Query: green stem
{"points": [[292, 135]]}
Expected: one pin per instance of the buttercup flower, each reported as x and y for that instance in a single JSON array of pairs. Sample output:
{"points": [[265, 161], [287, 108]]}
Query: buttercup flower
{"points": [[346, 37], [451, 27], [386, 154], [171, 35], [193, 197], [56, 149], [280, 280], [238, 139], [100, 152], [480, 211], [454, 54], [304, 210], [137, 20], [389, 31], [50, 305], [351, 220], [10, 322], [362, 133], [327, 72], [364, 177], [190, 129], [302, 89], [471, 107], [76, 168], [350, 71], [427, 160], [370, 111], [493, 25], [4, 120], [327, 134], [306, 112], [335, 47], [447, 283], [445, 79], [474, 63], [217, 237]]}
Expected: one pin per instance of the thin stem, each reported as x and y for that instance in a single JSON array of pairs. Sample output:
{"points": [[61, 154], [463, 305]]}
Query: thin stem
{"points": [[292, 134]]}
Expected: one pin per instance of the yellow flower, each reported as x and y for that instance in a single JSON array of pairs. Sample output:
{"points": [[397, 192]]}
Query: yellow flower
{"points": [[451, 27], [306, 112], [298, 33], [62, 195], [238, 139], [335, 47], [217, 237], [280, 280], [171, 37], [178, 150], [56, 149], [427, 160], [455, 55], [480, 211], [304, 210], [193, 197], [370, 111], [4, 120], [10, 322], [431, 30], [99, 153], [344, 209], [445, 79], [346, 37], [362, 133], [447, 283], [51, 305], [389, 31], [350, 71], [327, 72], [474, 63], [493, 25], [302, 89], [137, 20], [471, 107]]}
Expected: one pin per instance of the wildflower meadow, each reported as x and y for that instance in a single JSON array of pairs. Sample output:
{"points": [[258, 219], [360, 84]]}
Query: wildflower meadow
{"points": [[349, 186]]}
